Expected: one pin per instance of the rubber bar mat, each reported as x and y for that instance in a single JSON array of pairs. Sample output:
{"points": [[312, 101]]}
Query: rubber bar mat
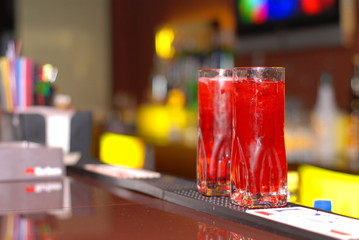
{"points": [[184, 192]]}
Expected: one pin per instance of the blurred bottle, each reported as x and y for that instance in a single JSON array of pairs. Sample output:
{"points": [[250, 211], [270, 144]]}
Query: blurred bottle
{"points": [[222, 52], [324, 118], [353, 146]]}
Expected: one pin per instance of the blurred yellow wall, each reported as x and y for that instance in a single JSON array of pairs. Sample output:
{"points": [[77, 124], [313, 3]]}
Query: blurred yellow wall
{"points": [[75, 37]]}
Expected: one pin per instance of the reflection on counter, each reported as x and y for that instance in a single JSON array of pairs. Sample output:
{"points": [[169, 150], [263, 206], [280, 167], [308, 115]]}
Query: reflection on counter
{"points": [[34, 196], [19, 227], [25, 205], [206, 231]]}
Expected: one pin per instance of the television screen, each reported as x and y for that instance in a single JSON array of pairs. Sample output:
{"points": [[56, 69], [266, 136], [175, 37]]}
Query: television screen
{"points": [[272, 25], [260, 16]]}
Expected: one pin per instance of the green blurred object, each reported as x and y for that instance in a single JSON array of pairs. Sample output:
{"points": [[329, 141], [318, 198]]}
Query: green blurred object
{"points": [[44, 88]]}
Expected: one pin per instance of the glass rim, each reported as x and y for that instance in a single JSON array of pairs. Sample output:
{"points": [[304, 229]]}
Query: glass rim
{"points": [[213, 72], [259, 73], [258, 68], [214, 69]]}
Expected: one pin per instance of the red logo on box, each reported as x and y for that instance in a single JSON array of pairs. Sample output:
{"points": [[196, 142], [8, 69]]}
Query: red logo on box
{"points": [[44, 171], [30, 171]]}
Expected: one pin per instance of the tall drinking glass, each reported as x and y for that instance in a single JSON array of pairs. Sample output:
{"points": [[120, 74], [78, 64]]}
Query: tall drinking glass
{"points": [[214, 131], [259, 166]]}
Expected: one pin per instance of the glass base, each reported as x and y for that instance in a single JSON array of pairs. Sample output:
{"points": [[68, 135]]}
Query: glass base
{"points": [[259, 200], [213, 189]]}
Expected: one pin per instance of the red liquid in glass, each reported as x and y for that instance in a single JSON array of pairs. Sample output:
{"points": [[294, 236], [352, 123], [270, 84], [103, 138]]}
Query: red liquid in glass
{"points": [[259, 166], [214, 135]]}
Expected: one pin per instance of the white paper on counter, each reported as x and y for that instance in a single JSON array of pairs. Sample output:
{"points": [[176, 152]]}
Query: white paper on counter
{"points": [[325, 223]]}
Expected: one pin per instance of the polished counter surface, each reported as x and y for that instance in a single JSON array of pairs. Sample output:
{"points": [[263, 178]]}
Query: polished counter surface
{"points": [[79, 207], [104, 202]]}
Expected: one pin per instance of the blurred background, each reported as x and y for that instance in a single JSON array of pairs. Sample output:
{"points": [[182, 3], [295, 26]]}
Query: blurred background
{"points": [[133, 65]]}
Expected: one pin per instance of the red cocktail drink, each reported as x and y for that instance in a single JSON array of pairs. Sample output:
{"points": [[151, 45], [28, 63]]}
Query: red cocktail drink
{"points": [[214, 131], [259, 166]]}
